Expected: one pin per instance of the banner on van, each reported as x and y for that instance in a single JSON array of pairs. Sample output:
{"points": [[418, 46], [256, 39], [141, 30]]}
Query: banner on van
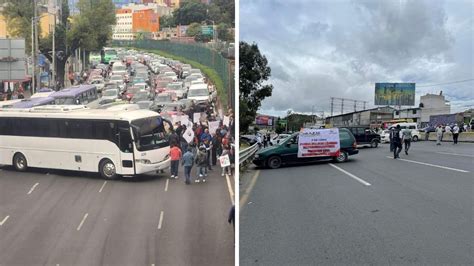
{"points": [[318, 142]]}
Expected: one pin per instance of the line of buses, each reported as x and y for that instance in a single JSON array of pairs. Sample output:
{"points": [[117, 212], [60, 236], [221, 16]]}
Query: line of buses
{"points": [[59, 132]]}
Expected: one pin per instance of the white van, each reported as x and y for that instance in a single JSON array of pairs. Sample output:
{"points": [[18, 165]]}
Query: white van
{"points": [[415, 133]]}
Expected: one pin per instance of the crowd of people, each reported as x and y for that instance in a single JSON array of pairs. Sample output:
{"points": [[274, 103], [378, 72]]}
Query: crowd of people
{"points": [[201, 148]]}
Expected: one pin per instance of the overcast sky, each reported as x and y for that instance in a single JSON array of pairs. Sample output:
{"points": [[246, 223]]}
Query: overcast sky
{"points": [[319, 49]]}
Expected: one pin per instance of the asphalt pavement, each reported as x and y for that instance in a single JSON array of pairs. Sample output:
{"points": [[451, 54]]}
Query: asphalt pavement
{"points": [[73, 218], [373, 210]]}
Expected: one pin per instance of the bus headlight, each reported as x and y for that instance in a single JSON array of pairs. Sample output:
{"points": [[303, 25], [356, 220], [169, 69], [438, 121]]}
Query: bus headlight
{"points": [[143, 161]]}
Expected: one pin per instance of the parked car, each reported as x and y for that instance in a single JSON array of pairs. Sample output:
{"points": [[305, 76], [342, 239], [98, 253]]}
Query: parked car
{"points": [[110, 95], [385, 136], [278, 138], [365, 136], [249, 139], [287, 152], [415, 133]]}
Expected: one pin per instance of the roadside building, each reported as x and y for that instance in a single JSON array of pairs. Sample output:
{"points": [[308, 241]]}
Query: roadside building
{"points": [[123, 29], [411, 114], [374, 117], [433, 104]]}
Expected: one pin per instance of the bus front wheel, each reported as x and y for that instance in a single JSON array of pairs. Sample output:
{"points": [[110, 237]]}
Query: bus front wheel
{"points": [[107, 169], [19, 162]]}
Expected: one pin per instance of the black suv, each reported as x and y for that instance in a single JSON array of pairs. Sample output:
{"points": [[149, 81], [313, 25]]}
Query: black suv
{"points": [[365, 136]]}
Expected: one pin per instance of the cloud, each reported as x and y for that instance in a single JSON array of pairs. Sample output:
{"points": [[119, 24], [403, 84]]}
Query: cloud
{"points": [[323, 49]]}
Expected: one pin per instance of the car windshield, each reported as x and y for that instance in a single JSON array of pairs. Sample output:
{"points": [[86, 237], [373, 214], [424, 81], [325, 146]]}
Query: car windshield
{"points": [[116, 78], [150, 133], [119, 68], [110, 93], [138, 80], [198, 92], [173, 86], [163, 98]]}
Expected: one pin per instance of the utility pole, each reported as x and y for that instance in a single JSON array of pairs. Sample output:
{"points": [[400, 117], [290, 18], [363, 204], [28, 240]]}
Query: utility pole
{"points": [[37, 82], [33, 60], [54, 51], [342, 106]]}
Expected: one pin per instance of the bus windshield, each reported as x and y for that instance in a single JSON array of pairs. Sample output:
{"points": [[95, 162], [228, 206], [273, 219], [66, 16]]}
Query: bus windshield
{"points": [[151, 133]]}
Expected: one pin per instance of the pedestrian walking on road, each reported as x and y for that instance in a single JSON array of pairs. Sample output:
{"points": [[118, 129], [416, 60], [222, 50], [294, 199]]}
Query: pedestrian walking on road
{"points": [[187, 162], [455, 131], [201, 161], [175, 154], [439, 135], [407, 139], [397, 142], [390, 136]]}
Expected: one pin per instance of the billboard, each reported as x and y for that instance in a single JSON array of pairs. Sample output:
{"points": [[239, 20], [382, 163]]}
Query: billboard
{"points": [[395, 94], [264, 120], [12, 59]]}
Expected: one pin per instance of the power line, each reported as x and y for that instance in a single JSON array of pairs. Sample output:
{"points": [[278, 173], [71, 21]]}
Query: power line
{"points": [[446, 83]]}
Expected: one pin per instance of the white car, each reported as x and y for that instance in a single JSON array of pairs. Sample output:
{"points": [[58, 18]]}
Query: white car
{"points": [[385, 136], [99, 84], [110, 94], [199, 93], [278, 138]]}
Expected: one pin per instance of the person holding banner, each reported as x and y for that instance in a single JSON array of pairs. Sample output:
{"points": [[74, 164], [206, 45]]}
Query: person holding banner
{"points": [[224, 160]]}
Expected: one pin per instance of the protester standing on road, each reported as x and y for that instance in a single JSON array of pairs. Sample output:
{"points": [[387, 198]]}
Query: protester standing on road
{"points": [[201, 161], [439, 135], [390, 136], [397, 142], [175, 154], [407, 139], [226, 169], [455, 131], [187, 162]]}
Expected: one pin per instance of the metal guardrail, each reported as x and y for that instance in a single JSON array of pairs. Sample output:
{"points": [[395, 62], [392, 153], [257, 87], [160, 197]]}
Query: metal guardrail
{"points": [[247, 153]]}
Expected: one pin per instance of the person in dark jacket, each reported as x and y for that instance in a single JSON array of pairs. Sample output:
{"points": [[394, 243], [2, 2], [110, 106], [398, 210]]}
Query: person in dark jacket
{"points": [[231, 218], [397, 142]]}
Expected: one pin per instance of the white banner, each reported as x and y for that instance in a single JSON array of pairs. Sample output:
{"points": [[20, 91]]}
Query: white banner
{"points": [[213, 126], [188, 135], [184, 120], [318, 142], [224, 160], [226, 121], [196, 117]]}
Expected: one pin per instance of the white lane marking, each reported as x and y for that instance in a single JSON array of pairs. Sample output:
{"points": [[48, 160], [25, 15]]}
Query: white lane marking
{"points": [[102, 187], [351, 175], [4, 220], [231, 191], [433, 165], [32, 188], [166, 186], [82, 222], [160, 223], [457, 154]]}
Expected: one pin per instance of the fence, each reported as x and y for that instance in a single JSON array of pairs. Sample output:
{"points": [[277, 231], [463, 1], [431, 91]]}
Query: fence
{"points": [[201, 54], [245, 155]]}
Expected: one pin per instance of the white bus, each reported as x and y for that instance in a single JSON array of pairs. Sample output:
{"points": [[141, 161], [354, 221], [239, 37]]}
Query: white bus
{"points": [[111, 142]]}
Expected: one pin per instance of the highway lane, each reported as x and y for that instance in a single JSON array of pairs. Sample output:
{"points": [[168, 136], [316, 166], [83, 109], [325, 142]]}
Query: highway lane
{"points": [[73, 218], [317, 215]]}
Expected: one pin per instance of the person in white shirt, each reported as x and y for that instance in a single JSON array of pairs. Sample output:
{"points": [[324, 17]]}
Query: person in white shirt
{"points": [[439, 134], [455, 131]]}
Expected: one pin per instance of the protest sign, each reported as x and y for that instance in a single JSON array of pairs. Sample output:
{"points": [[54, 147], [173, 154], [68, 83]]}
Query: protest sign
{"points": [[226, 121], [224, 160], [213, 126], [196, 117], [318, 142], [188, 135]]}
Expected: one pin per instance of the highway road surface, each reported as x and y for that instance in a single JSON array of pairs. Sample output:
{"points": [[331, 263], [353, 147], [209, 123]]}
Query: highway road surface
{"points": [[73, 218], [372, 210]]}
